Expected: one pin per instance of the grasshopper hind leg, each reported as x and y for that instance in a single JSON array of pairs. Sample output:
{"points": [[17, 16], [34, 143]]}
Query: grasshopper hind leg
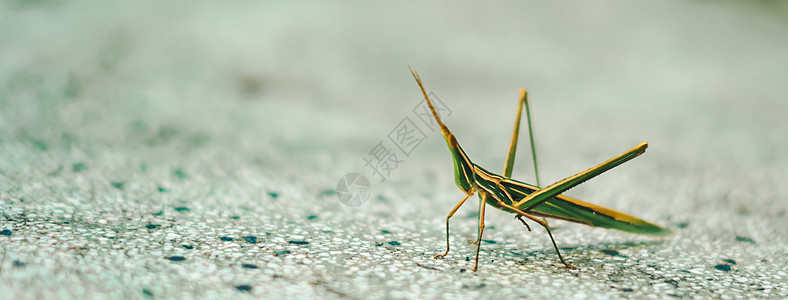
{"points": [[547, 227], [521, 214], [509, 165]]}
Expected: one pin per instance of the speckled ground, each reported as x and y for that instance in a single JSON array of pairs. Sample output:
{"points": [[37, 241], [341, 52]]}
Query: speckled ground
{"points": [[188, 150]]}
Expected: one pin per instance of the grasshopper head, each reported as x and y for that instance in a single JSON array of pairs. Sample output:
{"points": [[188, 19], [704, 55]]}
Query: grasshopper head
{"points": [[463, 168]]}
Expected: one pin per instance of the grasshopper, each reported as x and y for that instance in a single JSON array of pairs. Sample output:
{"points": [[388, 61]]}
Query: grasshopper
{"points": [[529, 201]]}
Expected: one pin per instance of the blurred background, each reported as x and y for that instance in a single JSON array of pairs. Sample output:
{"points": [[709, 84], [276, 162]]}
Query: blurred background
{"points": [[155, 126]]}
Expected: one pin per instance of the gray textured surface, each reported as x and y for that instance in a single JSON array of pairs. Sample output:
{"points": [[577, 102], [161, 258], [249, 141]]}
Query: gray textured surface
{"points": [[134, 134]]}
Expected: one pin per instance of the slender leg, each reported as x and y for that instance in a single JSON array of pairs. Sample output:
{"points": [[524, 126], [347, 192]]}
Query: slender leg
{"points": [[510, 156], [531, 136], [541, 222], [546, 227], [507, 168], [482, 205], [451, 213]]}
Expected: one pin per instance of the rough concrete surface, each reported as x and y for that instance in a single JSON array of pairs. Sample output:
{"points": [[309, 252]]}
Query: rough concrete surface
{"points": [[193, 149]]}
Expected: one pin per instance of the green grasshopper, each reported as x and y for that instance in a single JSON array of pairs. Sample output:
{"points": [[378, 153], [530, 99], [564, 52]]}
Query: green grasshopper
{"points": [[530, 201]]}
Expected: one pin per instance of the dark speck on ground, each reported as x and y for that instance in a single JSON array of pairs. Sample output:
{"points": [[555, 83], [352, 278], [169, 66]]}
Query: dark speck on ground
{"points": [[611, 252], [725, 268], [744, 239], [244, 288]]}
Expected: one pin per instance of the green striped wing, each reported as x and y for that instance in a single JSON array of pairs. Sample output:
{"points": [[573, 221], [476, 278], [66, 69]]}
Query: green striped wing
{"points": [[577, 211]]}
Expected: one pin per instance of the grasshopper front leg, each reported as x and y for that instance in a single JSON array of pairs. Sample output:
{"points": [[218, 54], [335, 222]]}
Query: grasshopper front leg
{"points": [[451, 213]]}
